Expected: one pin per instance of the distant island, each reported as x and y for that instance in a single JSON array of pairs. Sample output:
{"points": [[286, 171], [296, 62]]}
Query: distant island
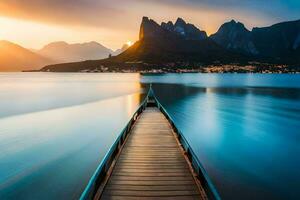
{"points": [[182, 47]]}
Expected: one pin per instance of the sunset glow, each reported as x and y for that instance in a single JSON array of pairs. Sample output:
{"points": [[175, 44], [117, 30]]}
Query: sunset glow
{"points": [[149, 99], [129, 43], [110, 23]]}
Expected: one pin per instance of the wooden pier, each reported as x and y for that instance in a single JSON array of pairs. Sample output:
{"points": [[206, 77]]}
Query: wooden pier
{"points": [[152, 165], [150, 160]]}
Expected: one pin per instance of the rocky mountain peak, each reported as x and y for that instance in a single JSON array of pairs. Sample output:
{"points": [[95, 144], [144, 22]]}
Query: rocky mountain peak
{"points": [[234, 35], [189, 31], [149, 28], [180, 22], [233, 26], [168, 26], [180, 27]]}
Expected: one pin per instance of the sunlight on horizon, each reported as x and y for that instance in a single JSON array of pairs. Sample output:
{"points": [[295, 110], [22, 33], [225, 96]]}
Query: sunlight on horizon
{"points": [[129, 43], [33, 24], [35, 35]]}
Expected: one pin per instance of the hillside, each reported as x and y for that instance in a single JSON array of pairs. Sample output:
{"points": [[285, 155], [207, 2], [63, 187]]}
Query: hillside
{"points": [[279, 43], [167, 44], [182, 45], [16, 58], [64, 52]]}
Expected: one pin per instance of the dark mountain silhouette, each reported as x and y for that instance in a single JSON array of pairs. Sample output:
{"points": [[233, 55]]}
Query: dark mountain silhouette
{"points": [[234, 36], [280, 41], [186, 30], [13, 57], [277, 43], [158, 44], [182, 44]]}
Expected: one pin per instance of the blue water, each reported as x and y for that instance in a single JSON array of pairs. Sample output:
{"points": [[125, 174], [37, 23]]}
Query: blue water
{"points": [[245, 129], [56, 128]]}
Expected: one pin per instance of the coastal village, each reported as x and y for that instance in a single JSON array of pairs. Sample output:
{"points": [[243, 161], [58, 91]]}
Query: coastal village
{"points": [[266, 69]]}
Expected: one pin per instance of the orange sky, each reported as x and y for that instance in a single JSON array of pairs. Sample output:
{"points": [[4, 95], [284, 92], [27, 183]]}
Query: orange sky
{"points": [[33, 23]]}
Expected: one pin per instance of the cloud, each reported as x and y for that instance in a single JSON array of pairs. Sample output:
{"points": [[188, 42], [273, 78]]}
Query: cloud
{"points": [[116, 21], [66, 12], [272, 10], [111, 13]]}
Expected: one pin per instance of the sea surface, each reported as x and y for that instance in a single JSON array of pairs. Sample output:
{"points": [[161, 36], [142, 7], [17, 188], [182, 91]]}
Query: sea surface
{"points": [[55, 129]]}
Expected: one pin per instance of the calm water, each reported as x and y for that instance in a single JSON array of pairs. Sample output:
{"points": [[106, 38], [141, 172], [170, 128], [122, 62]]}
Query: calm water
{"points": [[56, 128], [245, 129]]}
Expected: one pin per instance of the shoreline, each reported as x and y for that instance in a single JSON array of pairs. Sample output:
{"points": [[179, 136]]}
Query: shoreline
{"points": [[204, 70]]}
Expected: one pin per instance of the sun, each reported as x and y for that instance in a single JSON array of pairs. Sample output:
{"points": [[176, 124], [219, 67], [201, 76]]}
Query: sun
{"points": [[129, 43]]}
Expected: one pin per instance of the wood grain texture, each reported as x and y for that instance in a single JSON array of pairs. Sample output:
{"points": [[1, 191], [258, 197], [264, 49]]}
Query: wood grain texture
{"points": [[151, 164]]}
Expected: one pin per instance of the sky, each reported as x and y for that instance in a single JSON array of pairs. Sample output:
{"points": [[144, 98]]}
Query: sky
{"points": [[35, 23]]}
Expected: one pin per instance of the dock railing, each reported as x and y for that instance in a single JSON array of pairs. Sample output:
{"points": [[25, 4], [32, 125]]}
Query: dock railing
{"points": [[206, 183], [102, 169]]}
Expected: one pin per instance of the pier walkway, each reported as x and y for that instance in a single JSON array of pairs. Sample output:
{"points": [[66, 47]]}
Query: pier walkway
{"points": [[151, 164]]}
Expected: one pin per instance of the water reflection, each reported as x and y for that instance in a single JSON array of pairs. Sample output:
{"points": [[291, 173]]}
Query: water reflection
{"points": [[52, 153], [56, 128], [247, 138], [182, 90], [32, 92]]}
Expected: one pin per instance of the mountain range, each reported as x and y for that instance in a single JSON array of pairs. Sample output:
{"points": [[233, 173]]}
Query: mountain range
{"points": [[14, 57], [64, 52], [278, 43], [181, 44]]}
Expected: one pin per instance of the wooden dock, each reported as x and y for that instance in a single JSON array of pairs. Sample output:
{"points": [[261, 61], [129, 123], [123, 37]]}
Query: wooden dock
{"points": [[151, 164]]}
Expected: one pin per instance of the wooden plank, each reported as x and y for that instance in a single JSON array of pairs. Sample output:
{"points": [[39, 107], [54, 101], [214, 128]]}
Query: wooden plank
{"points": [[151, 160], [124, 166], [152, 156], [151, 135], [156, 165], [149, 154], [149, 150], [114, 197], [168, 174], [152, 146], [151, 187], [153, 138], [150, 193], [152, 143], [151, 164], [150, 178], [141, 182], [152, 152], [162, 170]]}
